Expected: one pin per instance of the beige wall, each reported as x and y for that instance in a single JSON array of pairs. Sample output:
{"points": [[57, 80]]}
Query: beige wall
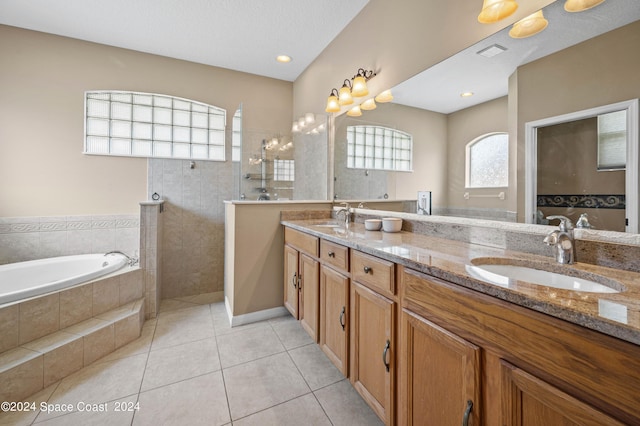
{"points": [[463, 127], [397, 39], [43, 79], [599, 71]]}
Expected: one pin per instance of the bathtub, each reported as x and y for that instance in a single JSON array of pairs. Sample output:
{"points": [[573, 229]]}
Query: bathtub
{"points": [[35, 277]]}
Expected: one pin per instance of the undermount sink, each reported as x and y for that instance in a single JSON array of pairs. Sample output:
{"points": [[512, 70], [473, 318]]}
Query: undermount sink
{"points": [[502, 272]]}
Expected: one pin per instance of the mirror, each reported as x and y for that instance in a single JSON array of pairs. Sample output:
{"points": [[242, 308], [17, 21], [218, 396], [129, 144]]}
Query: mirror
{"points": [[569, 170], [445, 120]]}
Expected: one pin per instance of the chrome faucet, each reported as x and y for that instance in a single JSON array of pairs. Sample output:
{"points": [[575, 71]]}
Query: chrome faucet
{"points": [[562, 240], [131, 261], [347, 214]]}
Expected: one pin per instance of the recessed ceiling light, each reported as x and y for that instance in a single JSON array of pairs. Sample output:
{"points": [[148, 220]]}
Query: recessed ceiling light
{"points": [[466, 94], [491, 51], [283, 58]]}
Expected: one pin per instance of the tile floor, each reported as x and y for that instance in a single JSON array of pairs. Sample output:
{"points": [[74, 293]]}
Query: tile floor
{"points": [[189, 367]]}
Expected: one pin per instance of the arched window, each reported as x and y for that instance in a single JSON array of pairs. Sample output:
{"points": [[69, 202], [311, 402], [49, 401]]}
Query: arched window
{"points": [[487, 161], [149, 125]]}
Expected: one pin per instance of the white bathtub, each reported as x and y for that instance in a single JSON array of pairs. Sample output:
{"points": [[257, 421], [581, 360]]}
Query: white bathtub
{"points": [[28, 279]]}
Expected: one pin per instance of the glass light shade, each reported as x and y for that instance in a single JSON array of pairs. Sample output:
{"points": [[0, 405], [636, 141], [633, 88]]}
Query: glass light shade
{"points": [[385, 96], [529, 26], [301, 122], [309, 118], [580, 5], [345, 97], [495, 10], [295, 128], [332, 104], [274, 141], [355, 111], [368, 105], [359, 87]]}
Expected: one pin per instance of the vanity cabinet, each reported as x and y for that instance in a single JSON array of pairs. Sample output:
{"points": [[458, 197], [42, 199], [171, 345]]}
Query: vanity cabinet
{"points": [[302, 279], [334, 304], [441, 375], [533, 369], [372, 345]]}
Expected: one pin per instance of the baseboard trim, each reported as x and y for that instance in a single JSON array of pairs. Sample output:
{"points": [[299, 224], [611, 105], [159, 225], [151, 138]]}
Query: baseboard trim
{"points": [[254, 316]]}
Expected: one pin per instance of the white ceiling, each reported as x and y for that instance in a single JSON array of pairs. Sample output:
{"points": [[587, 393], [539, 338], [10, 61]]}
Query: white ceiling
{"points": [[439, 88], [247, 35], [242, 35]]}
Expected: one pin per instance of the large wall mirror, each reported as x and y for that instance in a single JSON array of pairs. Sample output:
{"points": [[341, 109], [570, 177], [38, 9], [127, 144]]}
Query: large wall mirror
{"points": [[519, 84], [585, 163]]}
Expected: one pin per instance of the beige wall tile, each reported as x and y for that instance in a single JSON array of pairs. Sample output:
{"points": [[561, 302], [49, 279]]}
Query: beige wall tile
{"points": [[62, 361], [39, 317], [99, 343], [106, 295], [8, 328], [22, 380], [131, 286], [127, 330], [76, 305]]}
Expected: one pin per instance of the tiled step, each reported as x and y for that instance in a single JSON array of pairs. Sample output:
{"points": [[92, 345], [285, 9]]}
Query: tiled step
{"points": [[37, 364]]}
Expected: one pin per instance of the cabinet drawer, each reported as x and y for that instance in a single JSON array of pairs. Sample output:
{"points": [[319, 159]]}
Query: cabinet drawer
{"points": [[375, 273], [303, 242], [334, 255]]}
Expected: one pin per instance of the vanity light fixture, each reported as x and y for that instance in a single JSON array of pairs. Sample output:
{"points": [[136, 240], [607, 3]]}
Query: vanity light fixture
{"points": [[355, 111], [359, 88], [531, 25], [580, 5], [496, 10], [303, 122], [344, 97], [368, 105], [332, 102], [383, 97]]}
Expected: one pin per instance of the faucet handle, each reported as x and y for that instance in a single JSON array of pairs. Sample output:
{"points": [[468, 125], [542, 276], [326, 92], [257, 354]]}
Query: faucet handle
{"points": [[565, 222]]}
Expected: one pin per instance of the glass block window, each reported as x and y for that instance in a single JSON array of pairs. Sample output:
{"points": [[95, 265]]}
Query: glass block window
{"points": [[379, 148], [283, 170], [148, 125], [236, 136], [612, 140], [487, 161]]}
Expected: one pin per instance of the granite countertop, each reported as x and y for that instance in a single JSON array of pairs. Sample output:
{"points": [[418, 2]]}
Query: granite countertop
{"points": [[614, 314]]}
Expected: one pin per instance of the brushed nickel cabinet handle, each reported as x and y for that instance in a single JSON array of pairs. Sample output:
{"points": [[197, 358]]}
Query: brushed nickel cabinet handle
{"points": [[384, 355], [467, 413]]}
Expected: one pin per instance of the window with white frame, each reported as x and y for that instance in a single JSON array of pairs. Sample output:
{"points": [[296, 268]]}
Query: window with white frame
{"points": [[487, 161], [379, 148], [283, 170], [236, 136], [612, 141], [150, 125]]}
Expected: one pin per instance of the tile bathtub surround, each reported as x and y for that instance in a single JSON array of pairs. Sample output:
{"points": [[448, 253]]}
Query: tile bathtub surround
{"points": [[151, 253], [32, 319], [186, 383], [29, 238]]}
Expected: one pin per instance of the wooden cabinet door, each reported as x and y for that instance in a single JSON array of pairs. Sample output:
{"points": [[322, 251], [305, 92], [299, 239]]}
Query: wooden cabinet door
{"points": [[291, 297], [440, 377], [334, 317], [529, 401], [309, 286], [372, 348]]}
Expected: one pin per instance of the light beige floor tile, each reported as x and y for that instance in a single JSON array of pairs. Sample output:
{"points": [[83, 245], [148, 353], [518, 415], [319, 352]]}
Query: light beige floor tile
{"points": [[290, 332], [113, 413], [344, 406], [99, 382], [248, 345], [186, 325], [261, 384], [304, 410], [315, 367], [26, 417], [177, 363], [222, 325], [198, 401]]}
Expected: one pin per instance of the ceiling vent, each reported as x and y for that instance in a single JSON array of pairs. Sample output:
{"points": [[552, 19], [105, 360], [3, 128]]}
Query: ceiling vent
{"points": [[491, 51]]}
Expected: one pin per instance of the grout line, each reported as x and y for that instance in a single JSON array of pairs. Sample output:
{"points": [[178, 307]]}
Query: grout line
{"points": [[224, 382]]}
